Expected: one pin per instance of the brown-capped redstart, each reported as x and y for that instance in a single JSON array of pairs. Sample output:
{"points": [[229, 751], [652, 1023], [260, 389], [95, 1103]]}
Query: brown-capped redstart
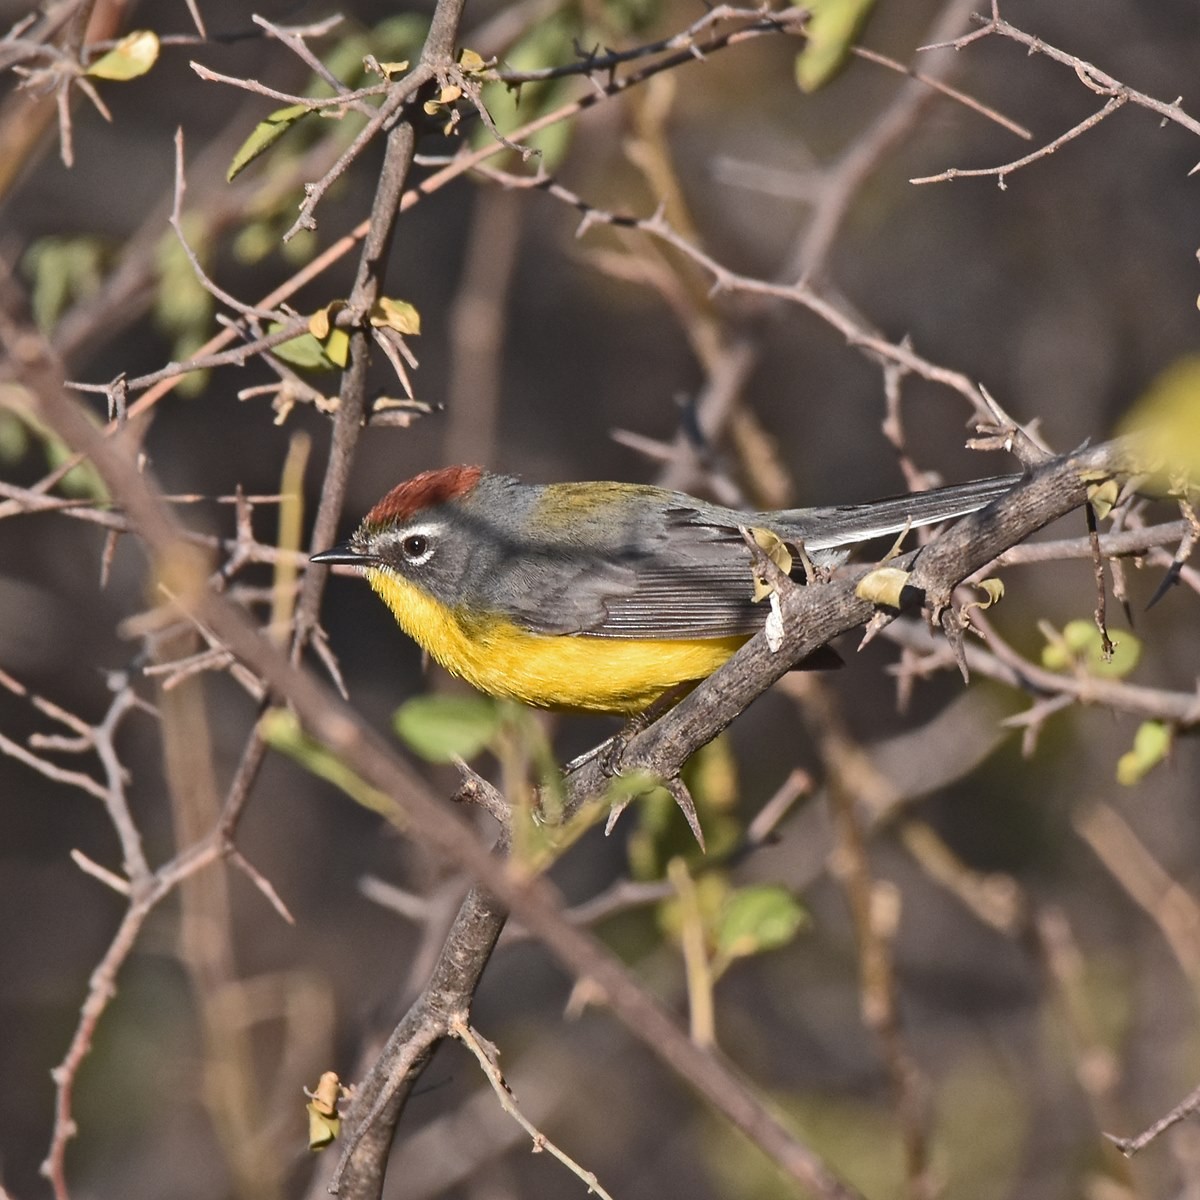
{"points": [[595, 596]]}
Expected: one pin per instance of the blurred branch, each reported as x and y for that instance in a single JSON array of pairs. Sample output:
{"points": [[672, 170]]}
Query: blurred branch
{"points": [[1172, 908], [1001, 662], [875, 910]]}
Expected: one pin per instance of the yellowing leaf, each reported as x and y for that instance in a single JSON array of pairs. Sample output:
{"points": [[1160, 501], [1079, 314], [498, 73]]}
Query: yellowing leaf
{"points": [[471, 62], [266, 133], [322, 1130], [396, 314], [1102, 497], [132, 56], [392, 69], [884, 586], [1151, 744], [993, 590], [772, 545], [324, 1124], [321, 322]]}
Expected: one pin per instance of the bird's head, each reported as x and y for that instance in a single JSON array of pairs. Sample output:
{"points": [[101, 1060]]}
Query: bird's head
{"points": [[425, 532]]}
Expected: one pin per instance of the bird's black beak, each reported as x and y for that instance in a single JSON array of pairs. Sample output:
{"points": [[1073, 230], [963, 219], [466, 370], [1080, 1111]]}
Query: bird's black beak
{"points": [[345, 553]]}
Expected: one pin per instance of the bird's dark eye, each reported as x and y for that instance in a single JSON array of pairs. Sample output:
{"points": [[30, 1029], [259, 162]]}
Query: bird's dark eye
{"points": [[416, 545]]}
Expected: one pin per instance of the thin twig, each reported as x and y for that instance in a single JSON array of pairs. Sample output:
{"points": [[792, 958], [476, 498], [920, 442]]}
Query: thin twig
{"points": [[461, 1029]]}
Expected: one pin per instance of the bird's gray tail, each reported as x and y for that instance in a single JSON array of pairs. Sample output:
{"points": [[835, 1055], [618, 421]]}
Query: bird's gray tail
{"points": [[844, 525]]}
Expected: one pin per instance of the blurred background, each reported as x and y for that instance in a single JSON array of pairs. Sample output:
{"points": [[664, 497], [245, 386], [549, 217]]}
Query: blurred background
{"points": [[1066, 293]]}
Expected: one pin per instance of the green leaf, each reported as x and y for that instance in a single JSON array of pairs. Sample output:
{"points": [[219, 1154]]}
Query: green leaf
{"points": [[552, 40], [63, 269], [442, 728], [1080, 644], [253, 243], [82, 481], [14, 438], [756, 919], [712, 892], [132, 56], [1151, 744], [832, 27], [324, 347], [280, 729], [304, 352], [182, 304], [266, 133]]}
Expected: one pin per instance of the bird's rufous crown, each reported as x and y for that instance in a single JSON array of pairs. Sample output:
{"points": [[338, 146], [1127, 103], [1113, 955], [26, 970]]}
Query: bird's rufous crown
{"points": [[423, 491]]}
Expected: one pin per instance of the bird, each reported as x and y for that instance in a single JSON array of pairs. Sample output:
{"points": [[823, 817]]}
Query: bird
{"points": [[595, 596]]}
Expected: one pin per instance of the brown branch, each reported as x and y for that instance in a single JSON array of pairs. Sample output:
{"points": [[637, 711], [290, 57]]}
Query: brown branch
{"points": [[1002, 663], [1006, 169]]}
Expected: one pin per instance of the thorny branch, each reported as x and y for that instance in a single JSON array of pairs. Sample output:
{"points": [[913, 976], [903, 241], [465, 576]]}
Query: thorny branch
{"points": [[663, 750], [1116, 93]]}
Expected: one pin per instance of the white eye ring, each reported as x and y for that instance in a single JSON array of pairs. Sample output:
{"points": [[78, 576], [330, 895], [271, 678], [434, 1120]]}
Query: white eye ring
{"points": [[417, 547]]}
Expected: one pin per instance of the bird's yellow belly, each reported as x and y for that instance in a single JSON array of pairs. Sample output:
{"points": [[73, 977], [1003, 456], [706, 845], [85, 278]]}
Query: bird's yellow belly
{"points": [[545, 670]]}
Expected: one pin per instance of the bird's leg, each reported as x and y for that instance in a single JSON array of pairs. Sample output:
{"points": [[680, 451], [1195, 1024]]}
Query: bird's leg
{"points": [[612, 748]]}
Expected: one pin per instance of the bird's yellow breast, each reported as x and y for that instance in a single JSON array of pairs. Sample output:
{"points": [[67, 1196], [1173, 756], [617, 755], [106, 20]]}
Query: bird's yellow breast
{"points": [[548, 670]]}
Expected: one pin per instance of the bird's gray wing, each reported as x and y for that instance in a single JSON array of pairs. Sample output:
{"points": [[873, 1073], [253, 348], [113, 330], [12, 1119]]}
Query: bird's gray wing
{"points": [[691, 579], [680, 569]]}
